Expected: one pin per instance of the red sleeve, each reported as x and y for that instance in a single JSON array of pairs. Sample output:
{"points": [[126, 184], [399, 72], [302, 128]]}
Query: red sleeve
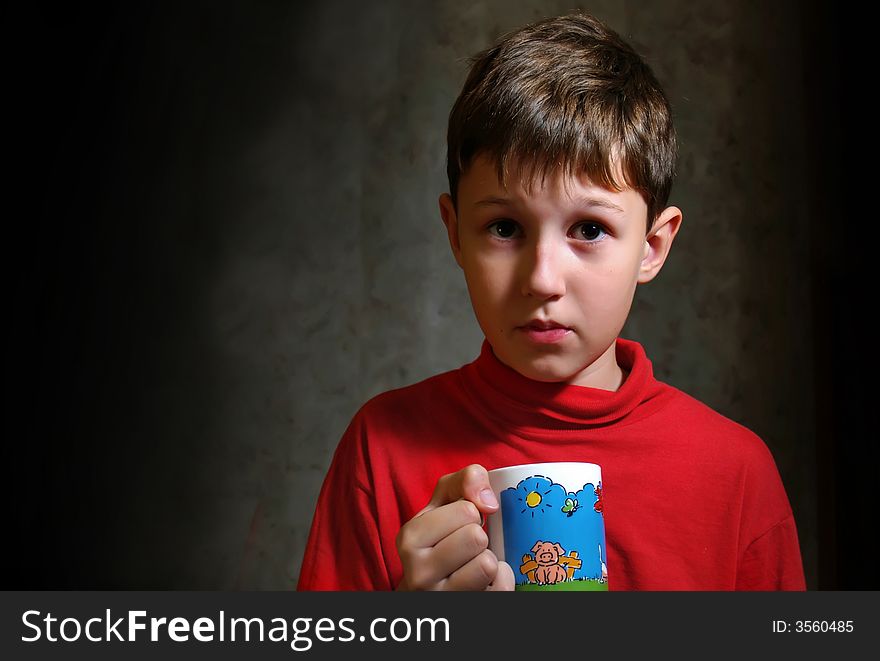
{"points": [[769, 557], [343, 551], [773, 560]]}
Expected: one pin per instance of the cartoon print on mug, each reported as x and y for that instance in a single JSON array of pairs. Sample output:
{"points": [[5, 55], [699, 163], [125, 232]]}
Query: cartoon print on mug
{"points": [[550, 534]]}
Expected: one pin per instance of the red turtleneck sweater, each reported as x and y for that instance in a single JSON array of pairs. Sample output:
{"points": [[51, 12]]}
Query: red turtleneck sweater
{"points": [[692, 500]]}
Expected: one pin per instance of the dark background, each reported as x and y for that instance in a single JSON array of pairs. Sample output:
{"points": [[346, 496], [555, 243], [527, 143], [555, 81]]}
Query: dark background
{"points": [[102, 272]]}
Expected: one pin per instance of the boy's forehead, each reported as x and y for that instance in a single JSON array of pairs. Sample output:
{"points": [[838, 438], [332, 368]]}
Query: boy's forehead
{"points": [[480, 184]]}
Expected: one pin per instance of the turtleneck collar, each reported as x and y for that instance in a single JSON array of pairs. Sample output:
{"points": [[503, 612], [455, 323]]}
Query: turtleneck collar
{"points": [[539, 408]]}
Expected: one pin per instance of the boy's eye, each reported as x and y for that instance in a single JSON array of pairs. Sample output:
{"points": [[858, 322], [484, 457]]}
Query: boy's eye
{"points": [[589, 231], [503, 229]]}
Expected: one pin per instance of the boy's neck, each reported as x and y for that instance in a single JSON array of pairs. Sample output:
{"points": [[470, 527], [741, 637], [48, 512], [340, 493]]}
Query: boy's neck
{"points": [[615, 379], [619, 378], [605, 374]]}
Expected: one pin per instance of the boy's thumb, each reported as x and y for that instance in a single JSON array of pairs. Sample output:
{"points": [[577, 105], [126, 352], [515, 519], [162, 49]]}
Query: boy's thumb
{"points": [[476, 488], [470, 483]]}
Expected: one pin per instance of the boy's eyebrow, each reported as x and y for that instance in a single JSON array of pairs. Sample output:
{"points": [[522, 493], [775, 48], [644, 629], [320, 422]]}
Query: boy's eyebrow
{"points": [[587, 201]]}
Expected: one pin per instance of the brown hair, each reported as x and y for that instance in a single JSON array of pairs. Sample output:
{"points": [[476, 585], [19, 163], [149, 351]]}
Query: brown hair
{"points": [[565, 92]]}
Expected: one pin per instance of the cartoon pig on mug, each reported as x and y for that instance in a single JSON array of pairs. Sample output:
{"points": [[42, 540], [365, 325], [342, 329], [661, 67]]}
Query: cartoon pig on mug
{"points": [[549, 570]]}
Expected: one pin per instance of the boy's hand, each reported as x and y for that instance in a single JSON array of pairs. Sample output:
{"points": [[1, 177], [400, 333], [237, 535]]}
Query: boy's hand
{"points": [[444, 547]]}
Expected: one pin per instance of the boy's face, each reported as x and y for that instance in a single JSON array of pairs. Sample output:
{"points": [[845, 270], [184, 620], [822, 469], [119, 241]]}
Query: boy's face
{"points": [[571, 253]]}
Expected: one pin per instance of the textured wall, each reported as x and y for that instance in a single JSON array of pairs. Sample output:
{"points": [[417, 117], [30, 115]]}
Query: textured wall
{"points": [[291, 262], [339, 283]]}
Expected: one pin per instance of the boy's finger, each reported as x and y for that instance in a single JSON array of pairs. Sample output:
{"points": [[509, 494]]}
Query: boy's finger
{"points": [[504, 579], [477, 574], [470, 483], [456, 550], [433, 568], [432, 526]]}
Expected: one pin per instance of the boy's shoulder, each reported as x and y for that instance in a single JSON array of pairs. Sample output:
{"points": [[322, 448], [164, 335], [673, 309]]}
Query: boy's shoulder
{"points": [[712, 429], [422, 397]]}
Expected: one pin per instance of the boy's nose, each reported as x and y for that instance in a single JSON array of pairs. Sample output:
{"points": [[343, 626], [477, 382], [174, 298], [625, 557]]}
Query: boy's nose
{"points": [[542, 273]]}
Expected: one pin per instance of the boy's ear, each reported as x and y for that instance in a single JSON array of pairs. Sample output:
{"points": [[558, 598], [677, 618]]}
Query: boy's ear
{"points": [[658, 242], [450, 219]]}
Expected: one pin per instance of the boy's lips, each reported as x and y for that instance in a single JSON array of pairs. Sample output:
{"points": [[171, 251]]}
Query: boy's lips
{"points": [[544, 324], [545, 331]]}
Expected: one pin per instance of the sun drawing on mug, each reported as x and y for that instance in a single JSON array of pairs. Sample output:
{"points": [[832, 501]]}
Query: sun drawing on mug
{"points": [[533, 498]]}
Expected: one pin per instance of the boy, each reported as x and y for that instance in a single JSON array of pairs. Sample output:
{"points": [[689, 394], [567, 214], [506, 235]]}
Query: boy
{"points": [[561, 156]]}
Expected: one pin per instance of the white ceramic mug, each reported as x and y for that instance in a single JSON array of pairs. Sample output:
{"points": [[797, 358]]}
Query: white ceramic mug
{"points": [[550, 527]]}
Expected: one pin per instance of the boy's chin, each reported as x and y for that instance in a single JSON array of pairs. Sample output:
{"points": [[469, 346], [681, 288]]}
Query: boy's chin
{"points": [[548, 369], [545, 375], [562, 366]]}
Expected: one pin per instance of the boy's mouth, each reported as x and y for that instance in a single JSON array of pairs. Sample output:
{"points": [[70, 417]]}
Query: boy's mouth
{"points": [[545, 331], [542, 325]]}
